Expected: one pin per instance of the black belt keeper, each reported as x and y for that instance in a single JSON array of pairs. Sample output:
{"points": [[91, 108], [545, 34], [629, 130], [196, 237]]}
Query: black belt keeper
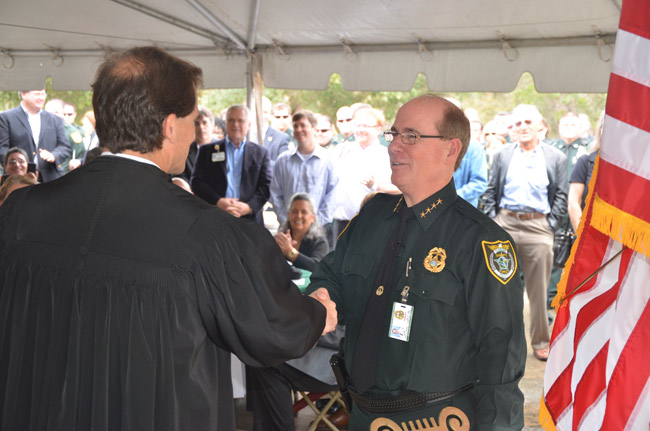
{"points": [[407, 401]]}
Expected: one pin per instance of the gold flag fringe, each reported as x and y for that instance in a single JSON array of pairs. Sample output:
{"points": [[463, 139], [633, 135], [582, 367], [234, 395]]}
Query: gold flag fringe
{"points": [[630, 231], [545, 418]]}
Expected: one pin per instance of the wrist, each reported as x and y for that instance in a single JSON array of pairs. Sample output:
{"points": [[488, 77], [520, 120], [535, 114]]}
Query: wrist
{"points": [[292, 253]]}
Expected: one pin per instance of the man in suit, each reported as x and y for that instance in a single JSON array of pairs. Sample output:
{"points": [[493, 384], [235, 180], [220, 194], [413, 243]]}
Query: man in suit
{"points": [[40, 133], [234, 174], [127, 299], [527, 196], [275, 141]]}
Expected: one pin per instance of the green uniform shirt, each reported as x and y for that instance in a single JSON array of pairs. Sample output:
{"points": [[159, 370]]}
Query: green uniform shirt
{"points": [[75, 136], [467, 323], [573, 151]]}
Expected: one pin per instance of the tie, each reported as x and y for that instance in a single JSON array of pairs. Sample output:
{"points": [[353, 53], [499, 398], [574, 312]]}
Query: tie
{"points": [[366, 350]]}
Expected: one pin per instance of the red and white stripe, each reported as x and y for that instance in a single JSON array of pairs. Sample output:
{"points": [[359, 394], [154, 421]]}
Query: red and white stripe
{"points": [[598, 373]]}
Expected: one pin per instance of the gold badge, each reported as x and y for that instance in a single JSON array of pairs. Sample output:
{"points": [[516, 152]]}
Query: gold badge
{"points": [[500, 259], [449, 419], [380, 290], [435, 260]]}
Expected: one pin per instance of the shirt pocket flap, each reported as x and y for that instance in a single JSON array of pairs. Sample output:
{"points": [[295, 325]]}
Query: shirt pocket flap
{"points": [[439, 287], [357, 264]]}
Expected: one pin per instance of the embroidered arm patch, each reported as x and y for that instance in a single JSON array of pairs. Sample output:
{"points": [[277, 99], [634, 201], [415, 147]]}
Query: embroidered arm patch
{"points": [[500, 259]]}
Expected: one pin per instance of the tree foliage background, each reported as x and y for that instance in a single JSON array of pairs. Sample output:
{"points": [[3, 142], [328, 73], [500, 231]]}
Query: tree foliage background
{"points": [[551, 105]]}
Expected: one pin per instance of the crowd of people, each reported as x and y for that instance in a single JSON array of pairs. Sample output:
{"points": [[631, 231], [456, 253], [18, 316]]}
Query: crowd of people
{"points": [[313, 175]]}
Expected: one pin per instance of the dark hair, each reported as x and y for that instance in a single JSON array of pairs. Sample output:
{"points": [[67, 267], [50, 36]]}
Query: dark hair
{"points": [[15, 150], [304, 114], [135, 90], [218, 122], [93, 154], [205, 112]]}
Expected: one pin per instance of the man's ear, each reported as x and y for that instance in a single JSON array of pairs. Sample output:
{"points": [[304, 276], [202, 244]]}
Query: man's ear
{"points": [[455, 145], [169, 126]]}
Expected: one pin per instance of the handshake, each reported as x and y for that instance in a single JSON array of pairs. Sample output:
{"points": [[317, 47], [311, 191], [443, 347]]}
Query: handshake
{"points": [[322, 295]]}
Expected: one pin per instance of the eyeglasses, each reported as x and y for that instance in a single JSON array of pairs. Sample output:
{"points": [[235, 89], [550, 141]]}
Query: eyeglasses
{"points": [[16, 162], [408, 138], [344, 120], [527, 122], [277, 117]]}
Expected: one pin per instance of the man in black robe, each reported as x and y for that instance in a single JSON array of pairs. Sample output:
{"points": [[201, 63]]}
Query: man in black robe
{"points": [[122, 295]]}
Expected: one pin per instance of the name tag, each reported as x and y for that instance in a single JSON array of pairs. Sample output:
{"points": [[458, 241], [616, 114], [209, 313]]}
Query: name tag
{"points": [[218, 156], [400, 321]]}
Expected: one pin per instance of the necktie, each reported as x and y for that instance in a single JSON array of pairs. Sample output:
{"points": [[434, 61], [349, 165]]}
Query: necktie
{"points": [[366, 350]]}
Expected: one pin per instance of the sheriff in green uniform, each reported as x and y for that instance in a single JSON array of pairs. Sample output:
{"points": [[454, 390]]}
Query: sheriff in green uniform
{"points": [[435, 283]]}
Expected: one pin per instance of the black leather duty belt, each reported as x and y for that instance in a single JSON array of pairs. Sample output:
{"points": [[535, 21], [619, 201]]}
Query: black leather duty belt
{"points": [[407, 401]]}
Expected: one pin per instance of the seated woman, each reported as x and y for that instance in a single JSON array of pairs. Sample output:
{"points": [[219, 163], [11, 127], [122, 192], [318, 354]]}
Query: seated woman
{"points": [[301, 239], [303, 242]]}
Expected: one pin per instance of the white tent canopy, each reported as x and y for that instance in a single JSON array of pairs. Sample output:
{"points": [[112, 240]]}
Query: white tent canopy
{"points": [[459, 45]]}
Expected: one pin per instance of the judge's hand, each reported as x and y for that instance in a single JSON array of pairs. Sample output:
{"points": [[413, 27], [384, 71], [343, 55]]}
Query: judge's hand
{"points": [[46, 155], [229, 205], [322, 295]]}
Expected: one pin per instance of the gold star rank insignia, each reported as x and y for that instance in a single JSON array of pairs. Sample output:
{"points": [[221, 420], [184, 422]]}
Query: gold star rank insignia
{"points": [[500, 259], [435, 260]]}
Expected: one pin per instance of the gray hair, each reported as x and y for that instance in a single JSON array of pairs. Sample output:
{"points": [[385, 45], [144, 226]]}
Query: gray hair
{"points": [[315, 229]]}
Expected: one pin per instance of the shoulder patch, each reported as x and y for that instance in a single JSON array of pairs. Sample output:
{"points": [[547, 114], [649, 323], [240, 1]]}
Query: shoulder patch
{"points": [[76, 137], [500, 259]]}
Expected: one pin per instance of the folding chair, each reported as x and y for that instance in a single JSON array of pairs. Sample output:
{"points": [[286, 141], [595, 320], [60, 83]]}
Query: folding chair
{"points": [[308, 398]]}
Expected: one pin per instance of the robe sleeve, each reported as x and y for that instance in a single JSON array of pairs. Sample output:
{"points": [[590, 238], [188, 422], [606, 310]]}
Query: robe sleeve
{"points": [[247, 300]]}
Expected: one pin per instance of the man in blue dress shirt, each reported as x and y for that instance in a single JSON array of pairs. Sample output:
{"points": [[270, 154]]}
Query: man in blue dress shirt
{"points": [[527, 196]]}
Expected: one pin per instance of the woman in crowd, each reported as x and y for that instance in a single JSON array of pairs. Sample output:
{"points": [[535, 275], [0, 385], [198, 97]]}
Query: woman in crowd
{"points": [[90, 137], [301, 239]]}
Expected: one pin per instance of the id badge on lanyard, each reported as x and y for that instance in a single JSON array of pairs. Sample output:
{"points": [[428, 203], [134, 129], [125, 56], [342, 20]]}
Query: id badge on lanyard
{"points": [[402, 314]]}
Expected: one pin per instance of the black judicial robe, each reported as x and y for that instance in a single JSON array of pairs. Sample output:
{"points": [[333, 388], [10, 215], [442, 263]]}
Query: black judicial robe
{"points": [[122, 296]]}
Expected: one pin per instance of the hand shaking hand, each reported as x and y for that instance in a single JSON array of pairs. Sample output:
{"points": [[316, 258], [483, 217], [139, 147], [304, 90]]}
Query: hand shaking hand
{"points": [[322, 295]]}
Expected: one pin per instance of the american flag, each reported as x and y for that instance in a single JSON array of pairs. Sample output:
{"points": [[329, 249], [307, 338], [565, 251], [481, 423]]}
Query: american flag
{"points": [[598, 372]]}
